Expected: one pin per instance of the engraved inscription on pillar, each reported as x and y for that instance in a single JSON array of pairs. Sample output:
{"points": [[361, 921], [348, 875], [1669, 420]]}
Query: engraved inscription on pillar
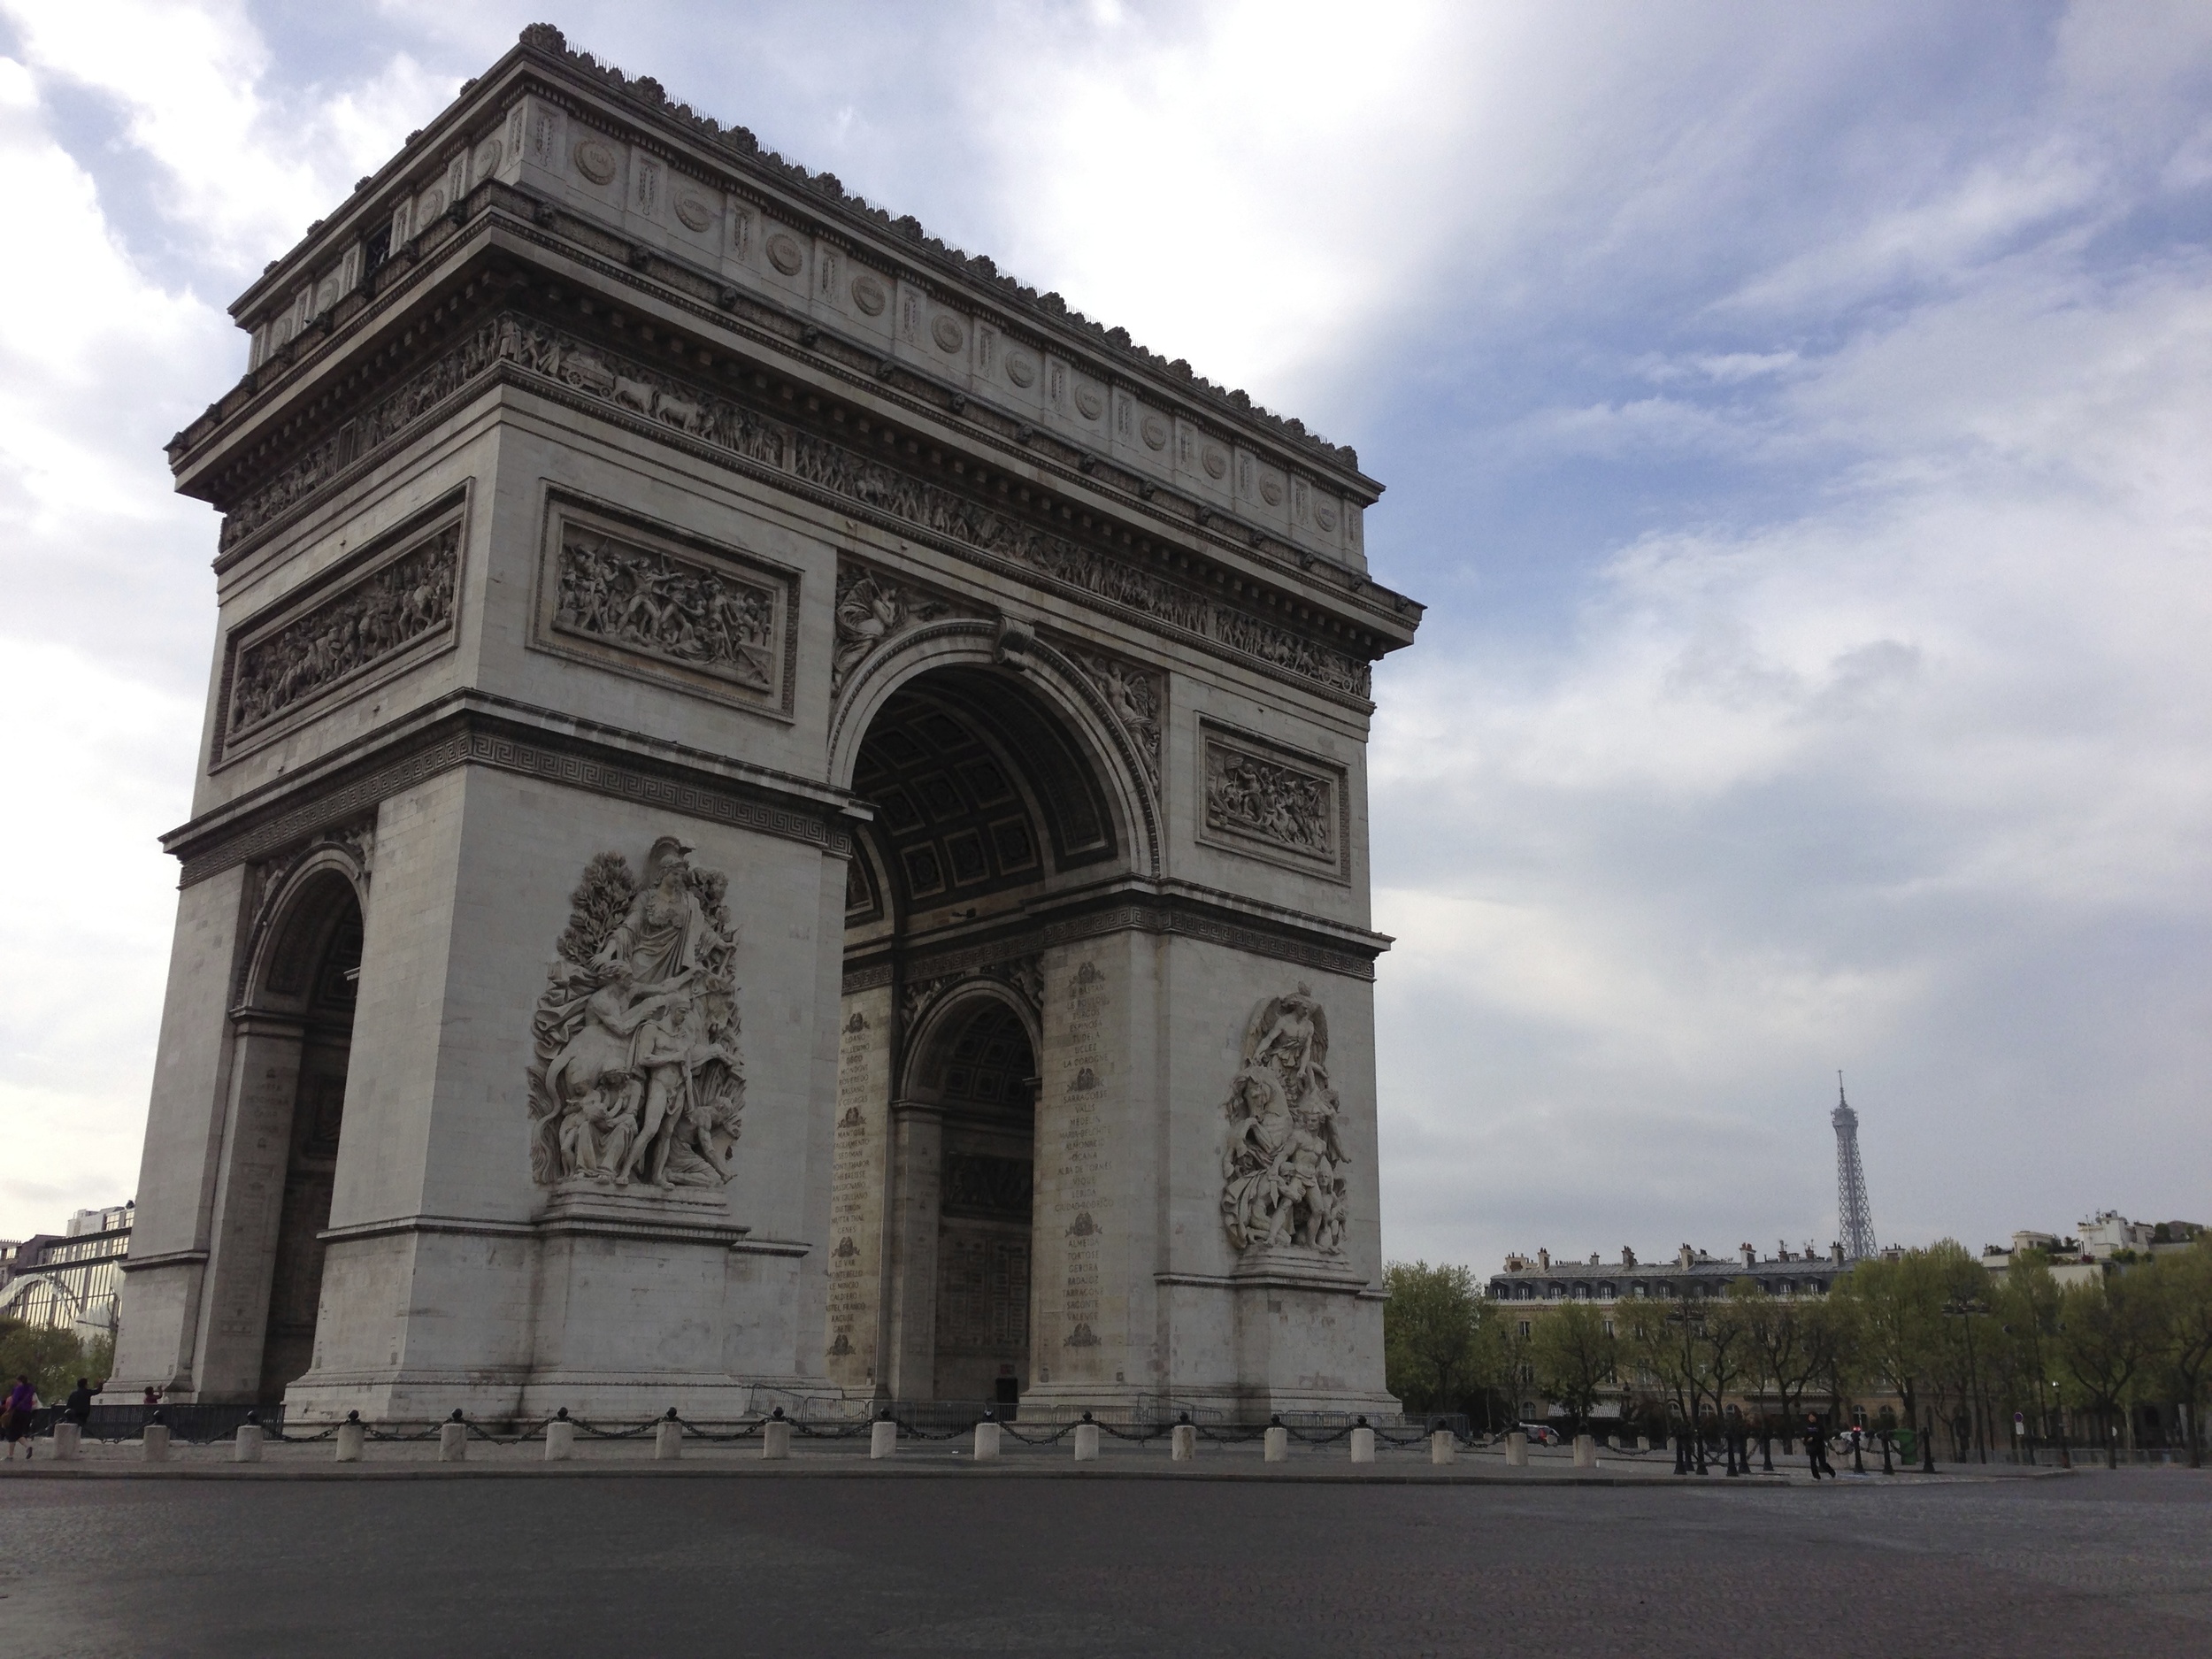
{"points": [[1083, 1200], [856, 1187]]}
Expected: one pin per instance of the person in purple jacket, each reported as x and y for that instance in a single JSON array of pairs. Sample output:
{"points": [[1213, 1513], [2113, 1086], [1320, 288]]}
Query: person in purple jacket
{"points": [[22, 1402]]}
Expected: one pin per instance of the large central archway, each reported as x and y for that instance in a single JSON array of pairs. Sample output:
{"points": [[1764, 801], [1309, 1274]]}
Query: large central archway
{"points": [[996, 799]]}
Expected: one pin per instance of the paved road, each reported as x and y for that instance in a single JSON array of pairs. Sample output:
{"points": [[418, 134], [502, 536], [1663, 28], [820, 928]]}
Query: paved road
{"points": [[900, 1564]]}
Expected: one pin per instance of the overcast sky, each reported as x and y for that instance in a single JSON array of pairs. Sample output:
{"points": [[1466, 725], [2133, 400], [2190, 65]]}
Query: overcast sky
{"points": [[1795, 418]]}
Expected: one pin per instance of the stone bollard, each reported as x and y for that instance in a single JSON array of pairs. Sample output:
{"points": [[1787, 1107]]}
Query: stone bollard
{"points": [[1443, 1447], [247, 1447], [1586, 1452], [883, 1440], [1363, 1442], [775, 1436], [668, 1438], [1516, 1449], [1183, 1444], [68, 1441], [987, 1441], [560, 1438], [1087, 1440], [1277, 1443], [352, 1437], [155, 1447], [453, 1440], [1643, 1442]]}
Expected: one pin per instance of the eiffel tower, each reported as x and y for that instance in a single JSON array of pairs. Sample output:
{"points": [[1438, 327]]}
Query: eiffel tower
{"points": [[1854, 1216]]}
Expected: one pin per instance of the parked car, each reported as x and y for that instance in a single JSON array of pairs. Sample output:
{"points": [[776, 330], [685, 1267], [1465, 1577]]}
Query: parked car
{"points": [[1540, 1434]]}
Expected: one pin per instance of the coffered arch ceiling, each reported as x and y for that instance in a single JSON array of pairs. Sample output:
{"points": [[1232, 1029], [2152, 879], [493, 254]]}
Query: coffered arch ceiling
{"points": [[976, 790]]}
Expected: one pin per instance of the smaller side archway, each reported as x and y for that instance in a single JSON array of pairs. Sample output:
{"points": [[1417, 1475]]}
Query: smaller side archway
{"points": [[963, 1197], [294, 1032]]}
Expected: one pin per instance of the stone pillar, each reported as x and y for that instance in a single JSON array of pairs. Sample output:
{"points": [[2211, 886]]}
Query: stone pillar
{"points": [[247, 1447], [1516, 1449], [249, 1205], [1277, 1444], [883, 1439], [1363, 1445], [453, 1442], [1087, 1442], [155, 1447], [775, 1439], [1443, 1447], [352, 1437], [68, 1442], [560, 1440], [1586, 1452], [860, 1188], [668, 1440], [987, 1441], [917, 1139], [1183, 1445]]}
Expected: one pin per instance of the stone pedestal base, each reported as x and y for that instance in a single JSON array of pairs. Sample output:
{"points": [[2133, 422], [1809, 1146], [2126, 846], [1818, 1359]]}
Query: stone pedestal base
{"points": [[453, 1442], [668, 1441], [560, 1441], [1183, 1444], [1087, 1442], [775, 1439], [352, 1438], [883, 1440], [1516, 1449], [987, 1441], [1443, 1447], [1363, 1445], [247, 1447], [155, 1447], [68, 1442]]}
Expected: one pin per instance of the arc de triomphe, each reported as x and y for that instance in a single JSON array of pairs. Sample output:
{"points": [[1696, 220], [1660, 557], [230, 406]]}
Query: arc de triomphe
{"points": [[781, 819]]}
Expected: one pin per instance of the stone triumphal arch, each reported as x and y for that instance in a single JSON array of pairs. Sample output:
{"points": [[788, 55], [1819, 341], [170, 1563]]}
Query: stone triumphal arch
{"points": [[782, 821]]}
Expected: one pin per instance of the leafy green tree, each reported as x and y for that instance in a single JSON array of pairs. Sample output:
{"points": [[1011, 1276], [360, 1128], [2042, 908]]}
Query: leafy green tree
{"points": [[2025, 1310], [2182, 1282], [2110, 1332], [1441, 1343], [1897, 1315], [53, 1360], [1573, 1358]]}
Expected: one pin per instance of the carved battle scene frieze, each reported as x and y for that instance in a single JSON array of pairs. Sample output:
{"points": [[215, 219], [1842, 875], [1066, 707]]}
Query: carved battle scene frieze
{"points": [[1023, 975], [666, 607], [523, 346], [1265, 800], [1282, 1169], [636, 1079], [398, 609]]}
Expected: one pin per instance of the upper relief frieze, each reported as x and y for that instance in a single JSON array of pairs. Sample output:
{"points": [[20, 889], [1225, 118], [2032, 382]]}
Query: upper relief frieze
{"points": [[522, 346]]}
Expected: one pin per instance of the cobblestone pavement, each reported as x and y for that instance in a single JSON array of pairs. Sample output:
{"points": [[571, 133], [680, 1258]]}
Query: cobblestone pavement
{"points": [[759, 1562]]}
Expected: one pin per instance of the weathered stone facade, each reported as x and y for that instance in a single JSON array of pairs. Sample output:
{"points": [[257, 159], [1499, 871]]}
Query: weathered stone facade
{"points": [[783, 821]]}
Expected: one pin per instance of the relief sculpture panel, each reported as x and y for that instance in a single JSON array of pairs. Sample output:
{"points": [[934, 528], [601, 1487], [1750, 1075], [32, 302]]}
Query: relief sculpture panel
{"points": [[667, 608], [1264, 801], [1282, 1172], [370, 623], [637, 1077]]}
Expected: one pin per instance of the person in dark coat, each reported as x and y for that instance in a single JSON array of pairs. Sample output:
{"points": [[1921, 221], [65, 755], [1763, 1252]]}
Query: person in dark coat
{"points": [[1817, 1448], [77, 1406]]}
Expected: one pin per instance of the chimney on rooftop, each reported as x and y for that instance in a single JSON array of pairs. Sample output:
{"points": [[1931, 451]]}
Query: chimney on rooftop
{"points": [[1543, 1259], [1750, 1255]]}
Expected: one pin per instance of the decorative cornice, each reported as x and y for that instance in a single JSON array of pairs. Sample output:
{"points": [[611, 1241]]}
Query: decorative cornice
{"points": [[477, 734], [510, 347]]}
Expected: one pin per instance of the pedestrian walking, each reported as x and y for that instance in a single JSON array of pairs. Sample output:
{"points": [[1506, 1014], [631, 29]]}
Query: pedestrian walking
{"points": [[15, 1417], [77, 1406], [1817, 1448]]}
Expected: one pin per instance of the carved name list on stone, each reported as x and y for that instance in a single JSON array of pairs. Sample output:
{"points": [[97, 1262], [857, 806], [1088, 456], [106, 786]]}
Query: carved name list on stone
{"points": [[863, 1083], [637, 1078], [366, 623], [1282, 1178], [524, 344], [659, 605], [1260, 797], [1082, 1149]]}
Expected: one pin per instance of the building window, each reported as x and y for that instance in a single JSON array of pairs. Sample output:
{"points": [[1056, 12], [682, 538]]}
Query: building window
{"points": [[1524, 1327]]}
